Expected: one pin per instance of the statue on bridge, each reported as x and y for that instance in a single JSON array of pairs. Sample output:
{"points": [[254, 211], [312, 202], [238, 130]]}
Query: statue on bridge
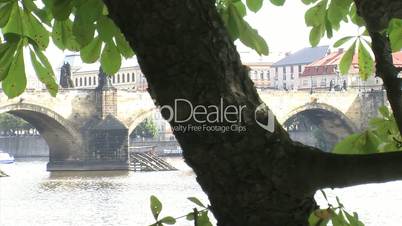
{"points": [[65, 76]]}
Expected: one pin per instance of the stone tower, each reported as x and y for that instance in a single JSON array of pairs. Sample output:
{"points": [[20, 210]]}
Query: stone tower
{"points": [[106, 96]]}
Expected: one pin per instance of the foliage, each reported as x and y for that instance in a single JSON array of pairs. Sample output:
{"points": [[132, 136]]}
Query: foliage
{"points": [[146, 128], [200, 217], [84, 26], [382, 136], [338, 215], [9, 124]]}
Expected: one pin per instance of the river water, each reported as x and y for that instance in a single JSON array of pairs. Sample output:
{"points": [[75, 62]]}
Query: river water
{"points": [[31, 196]]}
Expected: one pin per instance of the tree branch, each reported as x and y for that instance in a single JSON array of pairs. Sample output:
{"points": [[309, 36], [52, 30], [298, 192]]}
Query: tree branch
{"points": [[337, 171], [388, 73]]}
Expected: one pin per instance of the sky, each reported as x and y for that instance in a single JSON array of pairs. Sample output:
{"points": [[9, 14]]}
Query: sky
{"points": [[282, 27]]}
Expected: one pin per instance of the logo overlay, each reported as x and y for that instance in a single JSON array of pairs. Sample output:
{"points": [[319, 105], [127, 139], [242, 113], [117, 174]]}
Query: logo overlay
{"points": [[214, 118]]}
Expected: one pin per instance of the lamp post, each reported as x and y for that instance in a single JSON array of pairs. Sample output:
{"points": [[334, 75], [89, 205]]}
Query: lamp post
{"points": [[311, 84]]}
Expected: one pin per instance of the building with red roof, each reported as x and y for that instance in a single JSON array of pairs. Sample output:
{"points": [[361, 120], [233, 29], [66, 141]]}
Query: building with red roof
{"points": [[323, 73]]}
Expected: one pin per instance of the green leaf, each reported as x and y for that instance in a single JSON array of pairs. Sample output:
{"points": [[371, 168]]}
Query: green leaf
{"points": [[337, 10], [395, 34], [123, 46], [347, 58], [61, 9], [339, 220], [29, 5], [315, 16], [90, 53], [90, 9], [203, 219], [342, 41], [156, 206], [63, 37], [36, 31], [5, 11], [248, 36], [7, 51], [196, 201], [44, 15], [14, 84], [366, 63], [307, 2], [328, 27], [316, 34], [106, 28], [44, 71], [110, 59], [83, 29], [15, 23], [168, 220], [190, 216], [278, 2], [353, 220], [355, 18], [360, 143], [254, 5], [231, 24], [240, 8]]}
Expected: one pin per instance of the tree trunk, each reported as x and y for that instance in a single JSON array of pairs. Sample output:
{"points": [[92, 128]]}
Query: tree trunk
{"points": [[253, 177]]}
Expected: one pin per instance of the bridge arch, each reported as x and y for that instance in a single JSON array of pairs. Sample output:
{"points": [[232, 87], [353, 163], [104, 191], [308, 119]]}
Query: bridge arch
{"points": [[63, 140], [138, 118], [318, 124]]}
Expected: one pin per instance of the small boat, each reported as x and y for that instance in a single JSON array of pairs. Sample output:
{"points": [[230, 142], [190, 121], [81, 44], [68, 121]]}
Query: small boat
{"points": [[6, 158]]}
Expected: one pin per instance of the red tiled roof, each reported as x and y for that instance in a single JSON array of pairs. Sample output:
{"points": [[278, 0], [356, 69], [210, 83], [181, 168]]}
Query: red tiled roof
{"points": [[327, 64], [397, 58]]}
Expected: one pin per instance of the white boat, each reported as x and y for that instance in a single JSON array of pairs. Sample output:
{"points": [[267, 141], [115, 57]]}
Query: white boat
{"points": [[6, 158]]}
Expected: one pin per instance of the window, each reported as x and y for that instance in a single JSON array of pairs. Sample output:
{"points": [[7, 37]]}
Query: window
{"points": [[118, 78], [284, 86], [291, 69], [284, 70], [89, 81], [313, 83], [133, 77], [76, 81], [300, 69], [268, 75], [276, 71], [262, 75], [305, 82], [123, 78], [94, 80], [284, 77], [128, 77], [114, 79], [323, 82], [85, 81], [80, 81]]}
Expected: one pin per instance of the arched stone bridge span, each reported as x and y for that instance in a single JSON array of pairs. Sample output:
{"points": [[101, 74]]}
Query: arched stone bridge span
{"points": [[88, 129]]}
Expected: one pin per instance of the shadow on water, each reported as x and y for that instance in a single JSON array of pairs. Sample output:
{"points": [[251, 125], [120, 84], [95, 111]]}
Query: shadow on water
{"points": [[83, 180], [86, 174]]}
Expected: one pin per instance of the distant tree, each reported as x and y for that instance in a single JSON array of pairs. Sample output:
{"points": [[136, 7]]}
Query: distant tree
{"points": [[146, 128], [10, 125]]}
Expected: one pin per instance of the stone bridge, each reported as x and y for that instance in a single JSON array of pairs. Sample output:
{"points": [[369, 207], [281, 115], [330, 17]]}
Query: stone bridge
{"points": [[88, 129]]}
